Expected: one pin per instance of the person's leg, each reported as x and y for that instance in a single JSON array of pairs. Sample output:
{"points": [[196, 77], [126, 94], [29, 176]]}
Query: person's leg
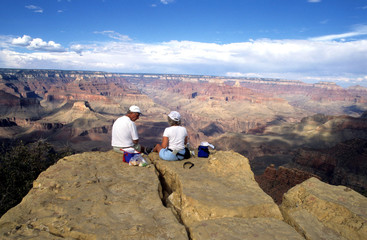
{"points": [[118, 149], [142, 149], [138, 147], [166, 154]]}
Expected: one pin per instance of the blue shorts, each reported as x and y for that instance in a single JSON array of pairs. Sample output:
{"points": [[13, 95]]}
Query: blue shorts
{"points": [[166, 154]]}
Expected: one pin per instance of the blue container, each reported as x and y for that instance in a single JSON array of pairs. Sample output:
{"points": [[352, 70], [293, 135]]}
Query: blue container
{"points": [[128, 156], [203, 151]]}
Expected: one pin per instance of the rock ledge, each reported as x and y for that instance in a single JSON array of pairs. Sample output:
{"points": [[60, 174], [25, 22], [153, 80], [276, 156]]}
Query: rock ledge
{"points": [[95, 196]]}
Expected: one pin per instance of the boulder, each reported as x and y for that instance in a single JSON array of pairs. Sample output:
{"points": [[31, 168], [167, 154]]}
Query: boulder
{"points": [[93, 195], [220, 186], [321, 211], [218, 198]]}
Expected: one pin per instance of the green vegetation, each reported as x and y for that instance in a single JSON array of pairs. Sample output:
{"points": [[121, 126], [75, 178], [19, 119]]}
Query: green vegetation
{"points": [[20, 165]]}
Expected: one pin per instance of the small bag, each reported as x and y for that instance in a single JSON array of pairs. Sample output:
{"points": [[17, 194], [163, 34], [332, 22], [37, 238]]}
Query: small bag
{"points": [[138, 160], [186, 155], [203, 151]]}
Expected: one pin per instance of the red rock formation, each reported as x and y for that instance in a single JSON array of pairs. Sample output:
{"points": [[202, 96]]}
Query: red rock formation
{"points": [[343, 164], [276, 182], [209, 90], [318, 92], [8, 100]]}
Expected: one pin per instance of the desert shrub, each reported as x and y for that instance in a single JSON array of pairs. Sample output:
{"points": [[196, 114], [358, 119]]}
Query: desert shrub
{"points": [[20, 165]]}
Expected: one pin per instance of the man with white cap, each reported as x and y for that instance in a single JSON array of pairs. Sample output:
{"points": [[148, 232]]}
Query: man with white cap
{"points": [[124, 132], [174, 139]]}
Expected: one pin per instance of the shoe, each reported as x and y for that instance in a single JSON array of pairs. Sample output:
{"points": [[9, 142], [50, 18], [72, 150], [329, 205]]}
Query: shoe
{"points": [[148, 150]]}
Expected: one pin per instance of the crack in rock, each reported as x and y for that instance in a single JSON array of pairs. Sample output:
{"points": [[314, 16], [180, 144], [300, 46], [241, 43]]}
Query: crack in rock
{"points": [[165, 192]]}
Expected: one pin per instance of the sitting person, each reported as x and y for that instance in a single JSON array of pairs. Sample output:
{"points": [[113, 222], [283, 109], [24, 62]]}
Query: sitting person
{"points": [[174, 139], [124, 132]]}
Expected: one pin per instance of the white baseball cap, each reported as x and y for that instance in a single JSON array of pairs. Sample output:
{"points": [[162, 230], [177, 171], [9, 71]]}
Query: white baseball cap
{"points": [[175, 116], [135, 109]]}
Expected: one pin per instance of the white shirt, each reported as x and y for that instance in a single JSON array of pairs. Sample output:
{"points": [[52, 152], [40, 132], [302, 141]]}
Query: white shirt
{"points": [[124, 132], [176, 137]]}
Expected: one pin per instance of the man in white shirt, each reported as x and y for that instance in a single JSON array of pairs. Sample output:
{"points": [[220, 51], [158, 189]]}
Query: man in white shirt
{"points": [[124, 132]]}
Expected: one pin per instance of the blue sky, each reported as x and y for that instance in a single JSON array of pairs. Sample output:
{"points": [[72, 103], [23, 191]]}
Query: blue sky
{"points": [[307, 40]]}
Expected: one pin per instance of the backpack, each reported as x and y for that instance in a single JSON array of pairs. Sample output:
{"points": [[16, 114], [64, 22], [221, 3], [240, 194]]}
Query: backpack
{"points": [[187, 154], [203, 151]]}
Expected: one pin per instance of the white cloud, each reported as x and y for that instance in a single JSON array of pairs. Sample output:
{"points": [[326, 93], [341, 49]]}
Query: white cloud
{"points": [[78, 48], [40, 45], [314, 1], [307, 60], [37, 44], [114, 35], [35, 9], [166, 1], [22, 41], [324, 21], [358, 30]]}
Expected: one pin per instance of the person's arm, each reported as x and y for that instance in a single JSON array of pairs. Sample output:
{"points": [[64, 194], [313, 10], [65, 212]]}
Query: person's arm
{"points": [[164, 142], [134, 133], [185, 140]]}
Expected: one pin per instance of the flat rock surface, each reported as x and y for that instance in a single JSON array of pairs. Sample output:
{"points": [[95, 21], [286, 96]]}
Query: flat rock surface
{"points": [[218, 198], [243, 228], [322, 211], [93, 195]]}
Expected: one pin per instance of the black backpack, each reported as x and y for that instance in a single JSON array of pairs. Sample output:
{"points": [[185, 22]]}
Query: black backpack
{"points": [[187, 154]]}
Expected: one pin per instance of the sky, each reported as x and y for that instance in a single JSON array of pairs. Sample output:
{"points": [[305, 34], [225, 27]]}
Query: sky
{"points": [[306, 40]]}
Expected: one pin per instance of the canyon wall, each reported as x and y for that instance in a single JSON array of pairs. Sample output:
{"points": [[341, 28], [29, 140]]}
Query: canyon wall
{"points": [[311, 127], [276, 182]]}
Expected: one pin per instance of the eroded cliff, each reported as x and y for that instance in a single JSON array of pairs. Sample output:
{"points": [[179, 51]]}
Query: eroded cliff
{"points": [[94, 195]]}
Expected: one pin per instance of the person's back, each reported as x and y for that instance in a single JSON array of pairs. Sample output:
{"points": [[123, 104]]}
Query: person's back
{"points": [[124, 132], [176, 137]]}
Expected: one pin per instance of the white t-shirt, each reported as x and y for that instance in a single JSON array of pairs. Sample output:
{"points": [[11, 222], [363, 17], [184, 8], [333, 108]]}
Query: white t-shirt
{"points": [[176, 137], [124, 132]]}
